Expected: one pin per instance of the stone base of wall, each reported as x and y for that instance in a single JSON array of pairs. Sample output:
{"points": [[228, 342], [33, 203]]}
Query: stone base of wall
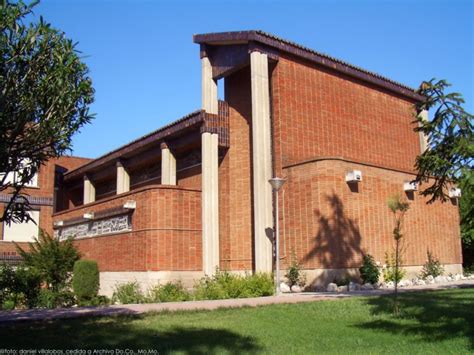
{"points": [[314, 277], [321, 277], [146, 279]]}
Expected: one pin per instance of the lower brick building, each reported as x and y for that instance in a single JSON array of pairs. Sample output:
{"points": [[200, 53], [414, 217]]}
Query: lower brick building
{"points": [[194, 195], [41, 193]]}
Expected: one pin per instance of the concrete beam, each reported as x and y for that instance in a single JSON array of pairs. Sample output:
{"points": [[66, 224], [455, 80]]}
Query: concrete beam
{"points": [[210, 175], [262, 162], [89, 190], [424, 138], [123, 179]]}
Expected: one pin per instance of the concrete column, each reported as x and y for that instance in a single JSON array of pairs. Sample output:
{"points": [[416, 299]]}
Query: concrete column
{"points": [[168, 166], [123, 179], [210, 176], [424, 138], [89, 190], [262, 162], [209, 88]]}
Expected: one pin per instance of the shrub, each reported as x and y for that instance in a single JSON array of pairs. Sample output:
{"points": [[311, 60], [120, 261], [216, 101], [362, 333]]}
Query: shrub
{"points": [[211, 288], [49, 298], [224, 285], [7, 283], [369, 272], [259, 285], [342, 281], [18, 288], [432, 267], [28, 282], [469, 270], [127, 293], [294, 274], [392, 271], [53, 260], [94, 302], [169, 292], [9, 304], [85, 280]]}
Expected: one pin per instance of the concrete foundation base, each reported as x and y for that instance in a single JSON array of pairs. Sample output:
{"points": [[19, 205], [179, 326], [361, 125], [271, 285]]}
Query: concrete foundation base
{"points": [[321, 277], [314, 277]]}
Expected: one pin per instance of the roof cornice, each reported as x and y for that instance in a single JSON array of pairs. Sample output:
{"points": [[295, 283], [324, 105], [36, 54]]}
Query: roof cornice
{"points": [[191, 119], [240, 37]]}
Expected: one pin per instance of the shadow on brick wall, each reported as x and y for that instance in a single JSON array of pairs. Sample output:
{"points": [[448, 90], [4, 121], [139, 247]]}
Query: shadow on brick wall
{"points": [[338, 241]]}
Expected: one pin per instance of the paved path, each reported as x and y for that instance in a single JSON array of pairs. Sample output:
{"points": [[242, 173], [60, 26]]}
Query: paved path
{"points": [[7, 317]]}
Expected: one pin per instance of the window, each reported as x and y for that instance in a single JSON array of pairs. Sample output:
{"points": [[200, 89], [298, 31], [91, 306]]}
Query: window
{"points": [[22, 232], [13, 176]]}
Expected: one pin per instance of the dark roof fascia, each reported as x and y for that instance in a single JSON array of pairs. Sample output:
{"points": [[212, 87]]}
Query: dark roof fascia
{"points": [[224, 38], [191, 119]]}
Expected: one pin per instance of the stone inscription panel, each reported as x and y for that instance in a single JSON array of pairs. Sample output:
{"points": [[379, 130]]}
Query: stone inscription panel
{"points": [[95, 228]]}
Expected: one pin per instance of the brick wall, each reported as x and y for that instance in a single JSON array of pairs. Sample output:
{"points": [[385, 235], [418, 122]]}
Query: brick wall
{"points": [[235, 178], [318, 115], [190, 178], [166, 231], [328, 223], [45, 189]]}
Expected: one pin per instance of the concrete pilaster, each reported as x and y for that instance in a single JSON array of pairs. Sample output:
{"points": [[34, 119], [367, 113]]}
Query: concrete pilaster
{"points": [[424, 138], [210, 175], [168, 166], [210, 203], [262, 161], [89, 190], [209, 88], [123, 179]]}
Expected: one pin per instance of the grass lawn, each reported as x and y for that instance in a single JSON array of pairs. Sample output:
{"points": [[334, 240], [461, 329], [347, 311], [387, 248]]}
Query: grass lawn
{"points": [[439, 322]]}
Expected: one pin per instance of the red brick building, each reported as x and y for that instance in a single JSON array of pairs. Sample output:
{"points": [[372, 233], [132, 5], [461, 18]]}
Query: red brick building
{"points": [[194, 195], [41, 195]]}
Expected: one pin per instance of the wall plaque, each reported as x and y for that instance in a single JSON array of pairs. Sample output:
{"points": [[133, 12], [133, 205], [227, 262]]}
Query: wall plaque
{"points": [[100, 227]]}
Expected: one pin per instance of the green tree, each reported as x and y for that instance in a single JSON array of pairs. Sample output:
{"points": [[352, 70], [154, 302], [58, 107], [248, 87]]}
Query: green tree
{"points": [[53, 260], [466, 210], [450, 139], [45, 93], [467, 207], [399, 209]]}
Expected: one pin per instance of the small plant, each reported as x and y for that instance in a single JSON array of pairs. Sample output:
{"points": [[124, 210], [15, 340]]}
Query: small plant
{"points": [[7, 284], [391, 272], [224, 285], [52, 259], [259, 285], [169, 292], [294, 274], [369, 272], [49, 298], [128, 293], [85, 280], [28, 283], [346, 280], [399, 208], [432, 266], [19, 288]]}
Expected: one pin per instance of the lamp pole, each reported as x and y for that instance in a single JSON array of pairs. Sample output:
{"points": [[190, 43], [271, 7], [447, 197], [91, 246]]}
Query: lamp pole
{"points": [[277, 183]]}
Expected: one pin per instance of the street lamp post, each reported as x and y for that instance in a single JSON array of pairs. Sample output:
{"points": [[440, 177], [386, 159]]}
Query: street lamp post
{"points": [[277, 183]]}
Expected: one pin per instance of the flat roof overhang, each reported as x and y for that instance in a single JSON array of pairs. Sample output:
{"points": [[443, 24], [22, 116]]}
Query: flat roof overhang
{"points": [[181, 135]]}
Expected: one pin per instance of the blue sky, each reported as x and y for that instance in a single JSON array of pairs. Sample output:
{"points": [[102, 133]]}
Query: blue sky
{"points": [[146, 69]]}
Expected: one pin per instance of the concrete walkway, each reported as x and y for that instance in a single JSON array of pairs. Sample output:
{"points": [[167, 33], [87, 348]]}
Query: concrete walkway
{"points": [[7, 317]]}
